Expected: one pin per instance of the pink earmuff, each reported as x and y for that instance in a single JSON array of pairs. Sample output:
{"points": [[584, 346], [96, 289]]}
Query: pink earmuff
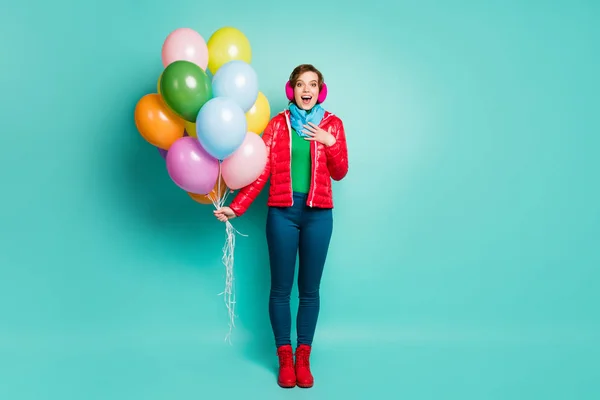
{"points": [[289, 92]]}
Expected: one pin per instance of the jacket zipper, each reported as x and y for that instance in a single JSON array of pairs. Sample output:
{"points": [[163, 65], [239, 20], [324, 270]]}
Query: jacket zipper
{"points": [[287, 121], [314, 175]]}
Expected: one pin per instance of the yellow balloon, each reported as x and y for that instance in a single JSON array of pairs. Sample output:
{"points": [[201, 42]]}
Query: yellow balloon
{"points": [[258, 116], [158, 84], [190, 128], [227, 44]]}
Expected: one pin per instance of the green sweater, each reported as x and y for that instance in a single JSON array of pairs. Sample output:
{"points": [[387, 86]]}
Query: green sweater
{"points": [[301, 163]]}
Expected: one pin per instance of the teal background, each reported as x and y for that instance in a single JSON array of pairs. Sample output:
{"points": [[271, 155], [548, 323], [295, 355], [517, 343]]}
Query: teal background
{"points": [[465, 259]]}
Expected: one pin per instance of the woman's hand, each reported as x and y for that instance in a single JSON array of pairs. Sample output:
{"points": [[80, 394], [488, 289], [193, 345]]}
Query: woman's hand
{"points": [[224, 214], [317, 134]]}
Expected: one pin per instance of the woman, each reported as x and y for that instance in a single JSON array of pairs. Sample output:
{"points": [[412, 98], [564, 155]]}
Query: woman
{"points": [[306, 149]]}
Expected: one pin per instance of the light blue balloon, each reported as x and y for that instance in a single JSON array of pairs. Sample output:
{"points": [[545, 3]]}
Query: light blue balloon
{"points": [[221, 127], [238, 81]]}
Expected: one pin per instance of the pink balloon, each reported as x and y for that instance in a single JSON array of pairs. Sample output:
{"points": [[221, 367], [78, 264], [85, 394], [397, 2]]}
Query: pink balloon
{"points": [[185, 44], [246, 164], [191, 167]]}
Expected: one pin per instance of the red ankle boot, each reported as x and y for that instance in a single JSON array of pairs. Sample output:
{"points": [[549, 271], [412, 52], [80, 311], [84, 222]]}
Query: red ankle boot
{"points": [[287, 376], [304, 377]]}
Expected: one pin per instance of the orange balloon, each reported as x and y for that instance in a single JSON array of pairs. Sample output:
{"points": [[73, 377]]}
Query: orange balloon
{"points": [[157, 124], [208, 198]]}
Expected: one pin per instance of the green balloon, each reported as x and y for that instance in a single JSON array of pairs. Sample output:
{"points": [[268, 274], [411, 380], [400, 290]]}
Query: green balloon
{"points": [[185, 87]]}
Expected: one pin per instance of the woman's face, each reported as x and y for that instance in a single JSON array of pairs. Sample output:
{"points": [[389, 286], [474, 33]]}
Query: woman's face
{"points": [[306, 90]]}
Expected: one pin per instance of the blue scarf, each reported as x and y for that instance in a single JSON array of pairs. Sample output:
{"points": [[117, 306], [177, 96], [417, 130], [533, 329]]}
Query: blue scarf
{"points": [[300, 117]]}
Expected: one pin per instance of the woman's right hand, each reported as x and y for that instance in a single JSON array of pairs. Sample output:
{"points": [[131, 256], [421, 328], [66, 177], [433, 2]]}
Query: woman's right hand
{"points": [[224, 214]]}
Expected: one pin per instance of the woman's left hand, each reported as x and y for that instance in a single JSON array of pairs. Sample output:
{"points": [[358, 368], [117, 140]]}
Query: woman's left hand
{"points": [[317, 134]]}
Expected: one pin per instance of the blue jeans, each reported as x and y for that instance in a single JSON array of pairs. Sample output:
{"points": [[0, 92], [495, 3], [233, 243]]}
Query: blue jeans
{"points": [[306, 232]]}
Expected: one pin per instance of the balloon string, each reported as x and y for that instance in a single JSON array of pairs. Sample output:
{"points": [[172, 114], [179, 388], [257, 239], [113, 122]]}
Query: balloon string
{"points": [[227, 259], [219, 184]]}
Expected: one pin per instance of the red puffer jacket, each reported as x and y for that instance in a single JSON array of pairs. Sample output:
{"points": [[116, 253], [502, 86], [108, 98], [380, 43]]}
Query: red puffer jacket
{"points": [[327, 163]]}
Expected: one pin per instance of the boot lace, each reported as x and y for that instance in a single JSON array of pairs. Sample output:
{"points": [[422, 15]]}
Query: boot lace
{"points": [[286, 359], [302, 358]]}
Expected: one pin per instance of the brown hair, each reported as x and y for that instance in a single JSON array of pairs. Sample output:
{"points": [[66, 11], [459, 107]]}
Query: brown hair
{"points": [[302, 68]]}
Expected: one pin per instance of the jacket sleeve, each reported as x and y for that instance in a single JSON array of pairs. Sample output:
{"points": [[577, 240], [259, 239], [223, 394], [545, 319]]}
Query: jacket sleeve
{"points": [[248, 194], [337, 154]]}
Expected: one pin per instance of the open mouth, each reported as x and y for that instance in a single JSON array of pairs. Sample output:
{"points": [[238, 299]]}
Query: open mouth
{"points": [[306, 99]]}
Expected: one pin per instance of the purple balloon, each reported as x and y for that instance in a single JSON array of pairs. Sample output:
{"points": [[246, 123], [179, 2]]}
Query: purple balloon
{"points": [[191, 167]]}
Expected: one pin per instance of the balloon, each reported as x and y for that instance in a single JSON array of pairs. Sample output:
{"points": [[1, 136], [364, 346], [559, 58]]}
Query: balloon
{"points": [[185, 88], [158, 83], [227, 44], [246, 164], [157, 124], [221, 127], [216, 194], [238, 81], [191, 167], [164, 152], [258, 116], [185, 44], [190, 128]]}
